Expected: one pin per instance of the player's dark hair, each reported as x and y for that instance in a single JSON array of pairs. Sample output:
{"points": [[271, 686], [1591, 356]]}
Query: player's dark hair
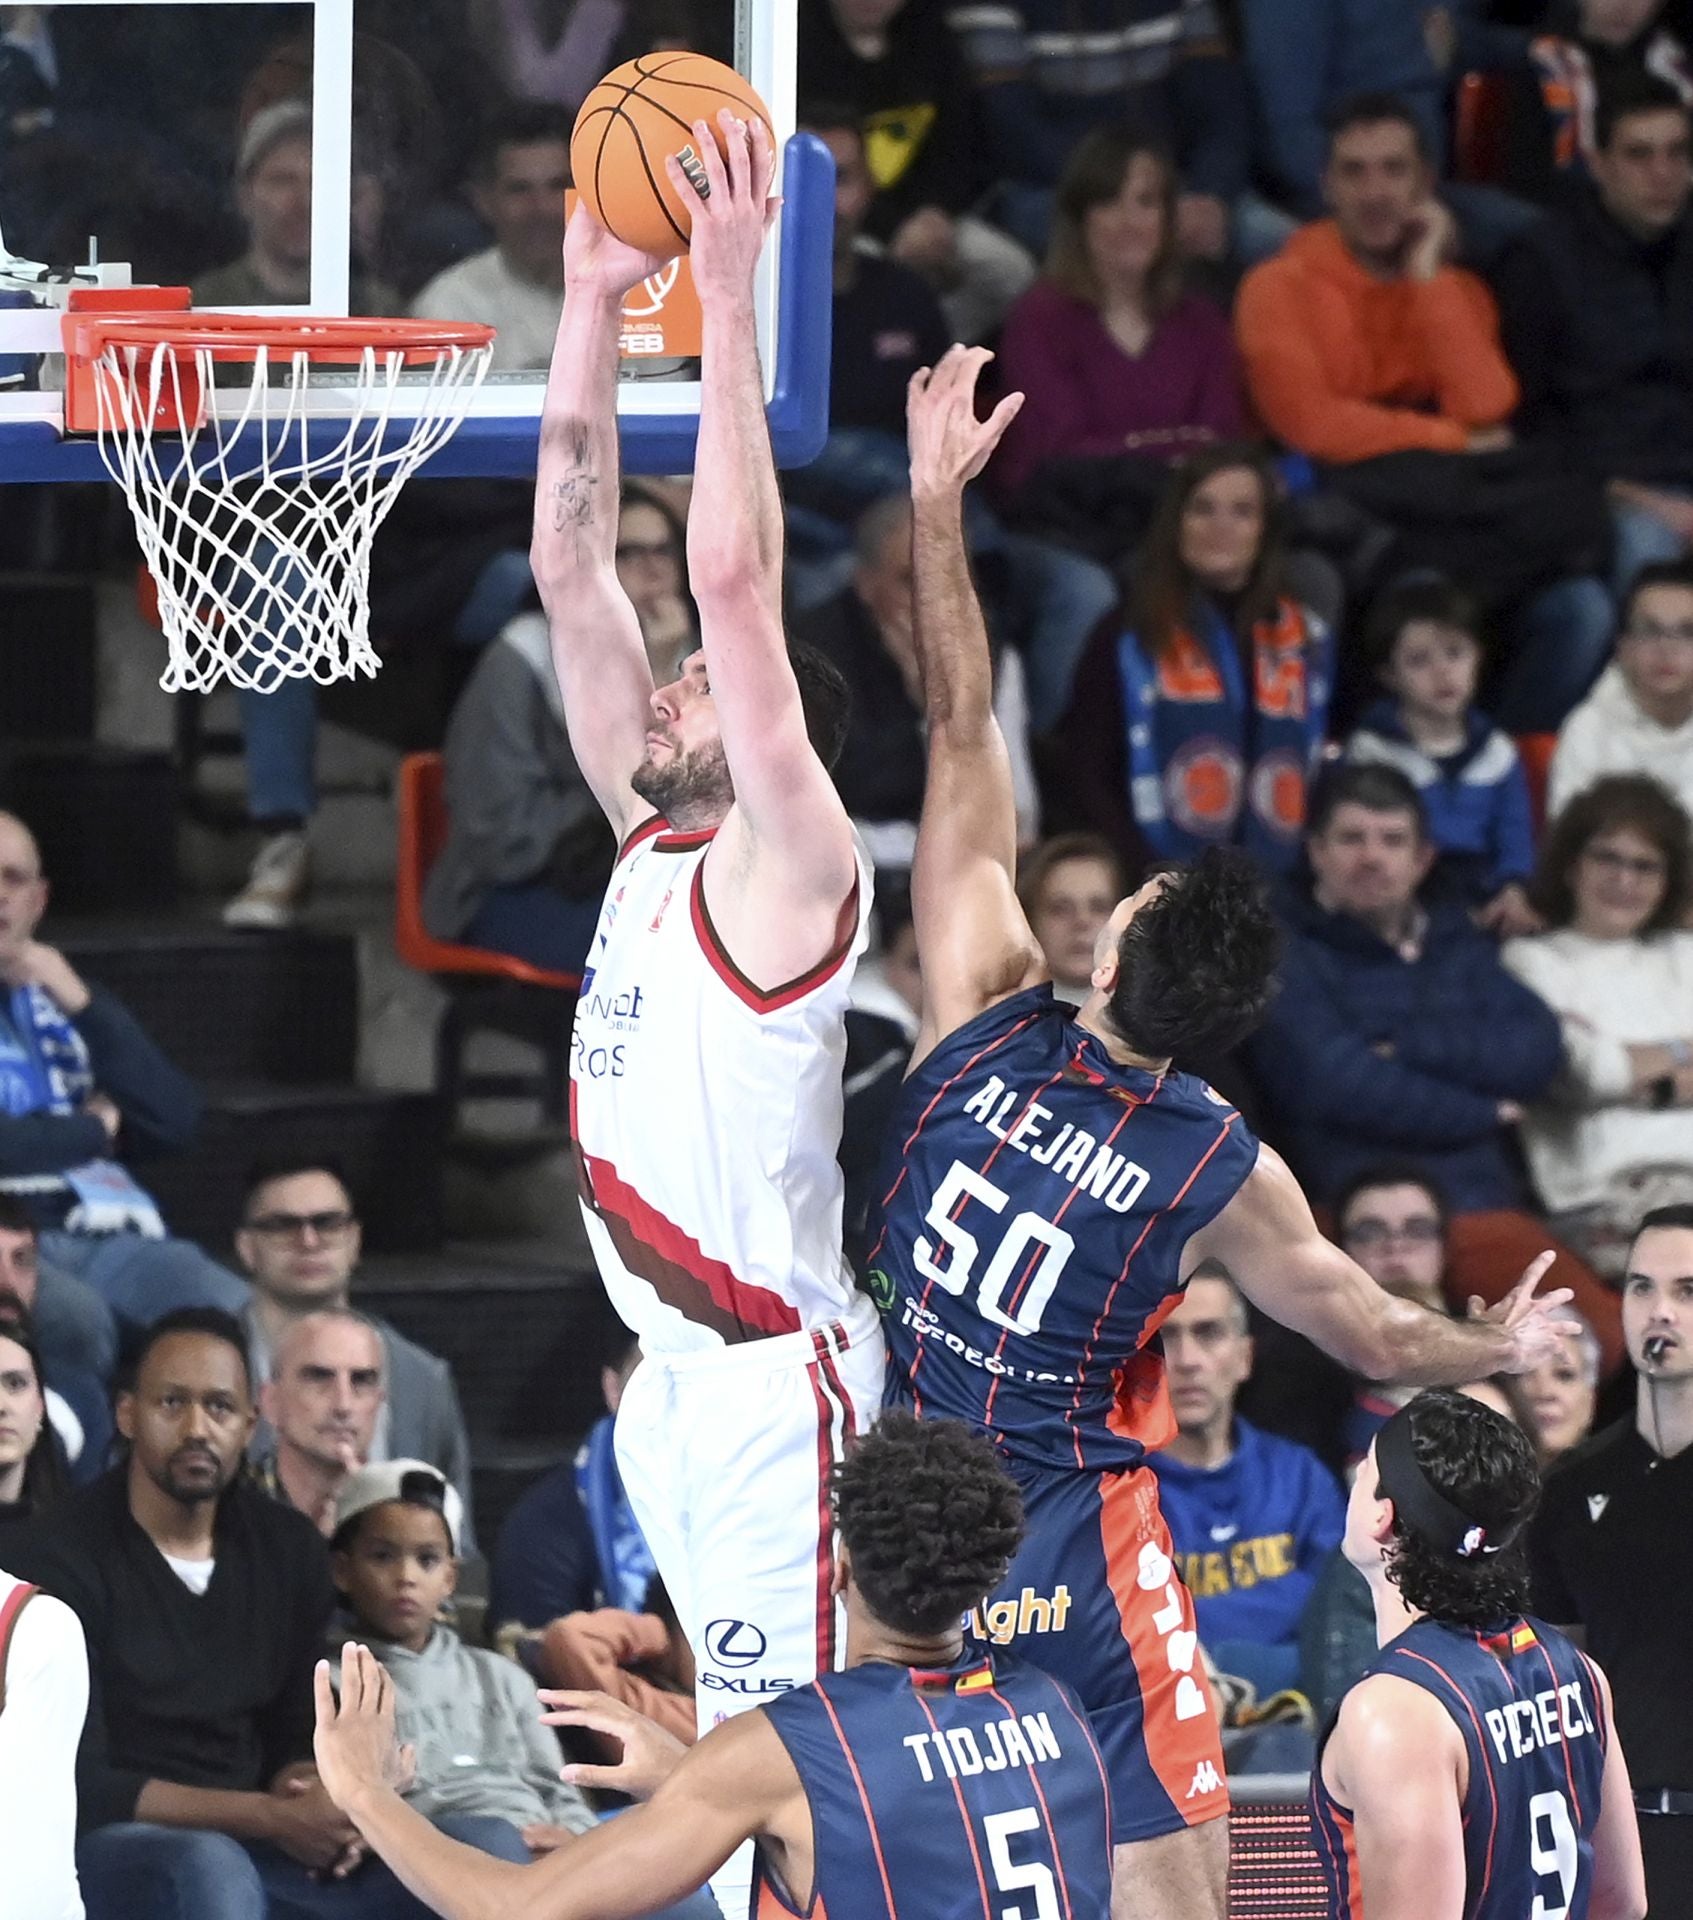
{"points": [[1374, 109], [930, 1519], [1196, 964], [1656, 573], [1628, 94], [526, 124], [213, 1322], [825, 698], [1432, 598], [1391, 1173], [1366, 784], [1484, 1465]]}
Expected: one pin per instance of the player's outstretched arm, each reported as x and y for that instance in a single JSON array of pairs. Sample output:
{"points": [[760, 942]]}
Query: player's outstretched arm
{"points": [[1267, 1242], [598, 654], [1407, 1819], [1619, 1873], [737, 1783], [784, 798], [973, 940]]}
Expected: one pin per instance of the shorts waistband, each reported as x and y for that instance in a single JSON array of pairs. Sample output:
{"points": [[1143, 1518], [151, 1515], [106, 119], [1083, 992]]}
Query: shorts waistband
{"points": [[854, 1328]]}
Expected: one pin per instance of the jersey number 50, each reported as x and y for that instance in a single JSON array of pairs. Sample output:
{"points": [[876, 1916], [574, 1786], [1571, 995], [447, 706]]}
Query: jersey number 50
{"points": [[1040, 1247]]}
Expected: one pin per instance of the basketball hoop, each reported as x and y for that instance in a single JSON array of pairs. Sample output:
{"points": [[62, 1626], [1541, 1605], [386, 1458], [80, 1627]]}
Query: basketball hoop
{"points": [[256, 514]]}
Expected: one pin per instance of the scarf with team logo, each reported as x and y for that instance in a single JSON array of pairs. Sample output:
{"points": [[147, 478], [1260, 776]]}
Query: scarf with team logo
{"points": [[1208, 763], [44, 1068], [1570, 89]]}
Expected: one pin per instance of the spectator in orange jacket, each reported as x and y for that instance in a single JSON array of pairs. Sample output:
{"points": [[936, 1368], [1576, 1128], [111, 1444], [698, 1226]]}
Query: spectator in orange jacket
{"points": [[1369, 352], [1360, 339]]}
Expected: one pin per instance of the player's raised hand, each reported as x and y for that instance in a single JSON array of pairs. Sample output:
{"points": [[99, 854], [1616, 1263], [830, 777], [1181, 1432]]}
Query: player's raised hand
{"points": [[731, 200], [650, 1752], [354, 1741], [949, 445], [596, 261], [1533, 1322]]}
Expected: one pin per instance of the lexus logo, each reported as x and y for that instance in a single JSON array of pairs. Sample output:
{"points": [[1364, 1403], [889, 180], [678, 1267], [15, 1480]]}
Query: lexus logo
{"points": [[734, 1643]]}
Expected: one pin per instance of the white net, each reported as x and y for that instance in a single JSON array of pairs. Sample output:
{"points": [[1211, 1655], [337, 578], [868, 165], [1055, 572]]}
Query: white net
{"points": [[257, 523]]}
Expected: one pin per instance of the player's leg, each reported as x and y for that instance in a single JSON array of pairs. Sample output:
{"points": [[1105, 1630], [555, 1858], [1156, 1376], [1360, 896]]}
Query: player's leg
{"points": [[1094, 1598], [651, 1457]]}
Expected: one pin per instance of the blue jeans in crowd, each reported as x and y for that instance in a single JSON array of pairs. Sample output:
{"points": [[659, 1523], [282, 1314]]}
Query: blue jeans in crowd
{"points": [[279, 725], [536, 923], [1642, 539], [139, 1278], [137, 1871], [1058, 596]]}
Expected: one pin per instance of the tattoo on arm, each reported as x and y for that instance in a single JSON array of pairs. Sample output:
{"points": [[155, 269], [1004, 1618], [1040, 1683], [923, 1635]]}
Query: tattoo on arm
{"points": [[573, 494]]}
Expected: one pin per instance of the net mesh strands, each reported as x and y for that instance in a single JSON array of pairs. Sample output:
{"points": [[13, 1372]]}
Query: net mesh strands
{"points": [[255, 513]]}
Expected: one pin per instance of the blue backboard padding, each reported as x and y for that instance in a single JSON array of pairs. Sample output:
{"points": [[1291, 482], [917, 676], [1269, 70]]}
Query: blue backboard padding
{"points": [[492, 448]]}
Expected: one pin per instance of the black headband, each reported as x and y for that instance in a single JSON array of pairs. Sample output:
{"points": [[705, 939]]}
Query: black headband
{"points": [[1421, 1508]]}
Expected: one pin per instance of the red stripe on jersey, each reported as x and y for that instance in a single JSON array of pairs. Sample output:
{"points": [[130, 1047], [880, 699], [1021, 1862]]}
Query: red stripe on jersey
{"points": [[863, 1800], [1045, 1814], [686, 842], [749, 1308], [963, 1811], [758, 998], [1147, 1330], [833, 1411], [1434, 1666], [653, 824], [14, 1604], [1563, 1738]]}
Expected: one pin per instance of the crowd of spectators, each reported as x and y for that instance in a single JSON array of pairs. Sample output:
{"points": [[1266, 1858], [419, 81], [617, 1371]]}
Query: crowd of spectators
{"points": [[1348, 519]]}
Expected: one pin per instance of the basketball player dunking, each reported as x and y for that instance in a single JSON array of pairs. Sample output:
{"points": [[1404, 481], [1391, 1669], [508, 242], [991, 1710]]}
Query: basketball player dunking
{"points": [[1473, 1773], [931, 1781], [1053, 1184], [706, 1061]]}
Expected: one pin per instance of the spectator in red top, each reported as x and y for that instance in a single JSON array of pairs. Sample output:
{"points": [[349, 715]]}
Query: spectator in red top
{"points": [[1122, 368]]}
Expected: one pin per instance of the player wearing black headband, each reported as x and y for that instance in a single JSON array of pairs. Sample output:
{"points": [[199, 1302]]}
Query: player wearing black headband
{"points": [[1473, 1773]]}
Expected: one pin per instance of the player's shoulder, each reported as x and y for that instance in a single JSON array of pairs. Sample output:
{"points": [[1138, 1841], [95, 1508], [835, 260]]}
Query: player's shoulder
{"points": [[1034, 1013], [46, 1629], [1388, 1707]]}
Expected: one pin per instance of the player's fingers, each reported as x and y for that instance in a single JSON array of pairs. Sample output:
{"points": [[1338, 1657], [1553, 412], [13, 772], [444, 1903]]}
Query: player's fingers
{"points": [[737, 161], [1001, 417], [352, 1681], [581, 1775], [711, 163], [595, 1718], [1534, 1273], [681, 179], [324, 1695], [1476, 1307], [762, 151]]}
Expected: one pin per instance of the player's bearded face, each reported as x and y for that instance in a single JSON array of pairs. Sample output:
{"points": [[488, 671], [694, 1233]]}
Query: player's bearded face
{"points": [[689, 787]]}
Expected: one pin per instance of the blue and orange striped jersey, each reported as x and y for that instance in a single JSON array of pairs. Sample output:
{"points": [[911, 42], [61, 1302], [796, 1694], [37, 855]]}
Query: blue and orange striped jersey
{"points": [[971, 1790], [1528, 1705], [1036, 1201]]}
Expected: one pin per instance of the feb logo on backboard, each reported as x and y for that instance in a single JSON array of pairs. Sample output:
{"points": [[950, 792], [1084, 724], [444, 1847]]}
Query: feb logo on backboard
{"points": [[661, 317]]}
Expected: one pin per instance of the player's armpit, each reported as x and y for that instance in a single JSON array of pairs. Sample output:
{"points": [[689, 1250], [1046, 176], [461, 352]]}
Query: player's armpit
{"points": [[1619, 1873], [1398, 1761]]}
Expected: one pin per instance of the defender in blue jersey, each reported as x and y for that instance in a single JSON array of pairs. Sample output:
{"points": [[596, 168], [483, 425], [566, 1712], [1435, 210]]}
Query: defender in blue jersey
{"points": [[935, 1779], [1473, 1773], [1052, 1184]]}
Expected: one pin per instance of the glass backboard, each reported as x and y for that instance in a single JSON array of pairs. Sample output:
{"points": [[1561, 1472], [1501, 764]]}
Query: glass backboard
{"points": [[333, 157]]}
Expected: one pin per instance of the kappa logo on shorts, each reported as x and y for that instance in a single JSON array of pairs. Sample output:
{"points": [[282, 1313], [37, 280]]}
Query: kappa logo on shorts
{"points": [[1206, 1779], [734, 1643]]}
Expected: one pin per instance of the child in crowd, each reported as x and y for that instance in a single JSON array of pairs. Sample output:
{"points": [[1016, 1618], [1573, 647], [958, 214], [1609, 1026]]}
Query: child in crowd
{"points": [[1424, 643], [487, 1769]]}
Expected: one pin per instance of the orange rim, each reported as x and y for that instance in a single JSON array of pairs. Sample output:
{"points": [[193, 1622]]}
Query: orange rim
{"points": [[237, 335]]}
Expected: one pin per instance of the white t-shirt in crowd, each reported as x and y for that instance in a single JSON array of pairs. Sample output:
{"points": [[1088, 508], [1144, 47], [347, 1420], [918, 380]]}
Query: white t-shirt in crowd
{"points": [[484, 289], [40, 1726], [195, 1575]]}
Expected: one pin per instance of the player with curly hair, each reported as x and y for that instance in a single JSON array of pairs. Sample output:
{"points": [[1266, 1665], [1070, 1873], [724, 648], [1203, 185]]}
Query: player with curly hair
{"points": [[1053, 1182], [929, 1781], [1474, 1772]]}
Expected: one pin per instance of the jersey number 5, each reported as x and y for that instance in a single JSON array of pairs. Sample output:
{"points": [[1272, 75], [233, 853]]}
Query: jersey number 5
{"points": [[1552, 1850], [1040, 1270], [1036, 1877]]}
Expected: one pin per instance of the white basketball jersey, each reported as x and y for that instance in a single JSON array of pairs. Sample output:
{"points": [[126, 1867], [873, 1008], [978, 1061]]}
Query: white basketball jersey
{"points": [[706, 1114]]}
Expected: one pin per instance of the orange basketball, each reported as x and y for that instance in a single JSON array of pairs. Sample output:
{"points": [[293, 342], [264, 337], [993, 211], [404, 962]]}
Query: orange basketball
{"points": [[638, 113]]}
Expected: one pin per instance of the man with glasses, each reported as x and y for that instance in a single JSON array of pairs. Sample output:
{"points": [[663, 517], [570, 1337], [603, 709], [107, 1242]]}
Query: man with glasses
{"points": [[1639, 717], [299, 1242]]}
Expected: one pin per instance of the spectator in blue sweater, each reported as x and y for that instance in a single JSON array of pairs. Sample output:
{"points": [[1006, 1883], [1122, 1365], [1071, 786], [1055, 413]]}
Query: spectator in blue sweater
{"points": [[1424, 642], [1052, 70], [1398, 1030], [1253, 1517], [80, 1082]]}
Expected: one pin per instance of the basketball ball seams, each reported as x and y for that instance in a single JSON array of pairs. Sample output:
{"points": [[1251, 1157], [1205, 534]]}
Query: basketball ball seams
{"points": [[658, 194]]}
